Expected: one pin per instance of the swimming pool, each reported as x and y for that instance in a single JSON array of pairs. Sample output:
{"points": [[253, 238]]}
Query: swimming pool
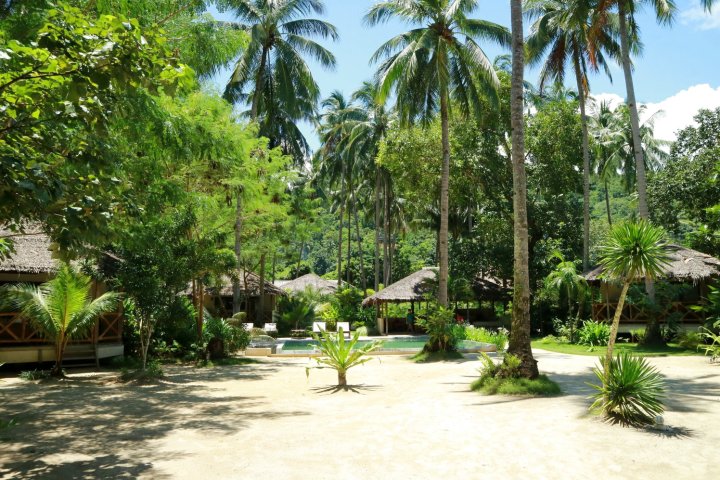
{"points": [[390, 345]]}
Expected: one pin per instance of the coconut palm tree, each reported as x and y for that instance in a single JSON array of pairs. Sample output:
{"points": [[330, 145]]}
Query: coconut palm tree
{"points": [[627, 28], [61, 309], [632, 252], [439, 61], [608, 136], [271, 75], [519, 344], [561, 30]]}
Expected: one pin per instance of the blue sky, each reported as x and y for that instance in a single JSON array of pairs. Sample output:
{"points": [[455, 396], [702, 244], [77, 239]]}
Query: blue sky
{"points": [[676, 59]]}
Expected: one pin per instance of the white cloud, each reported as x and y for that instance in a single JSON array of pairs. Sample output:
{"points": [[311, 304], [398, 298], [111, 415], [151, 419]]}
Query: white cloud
{"points": [[699, 18], [678, 110]]}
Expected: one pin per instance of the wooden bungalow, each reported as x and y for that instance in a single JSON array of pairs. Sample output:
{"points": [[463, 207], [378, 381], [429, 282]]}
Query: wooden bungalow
{"points": [[219, 299], [32, 262], [411, 289], [304, 282], [489, 291], [686, 266]]}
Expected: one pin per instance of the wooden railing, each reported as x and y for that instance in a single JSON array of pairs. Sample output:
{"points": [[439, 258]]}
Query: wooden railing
{"points": [[633, 314], [15, 330]]}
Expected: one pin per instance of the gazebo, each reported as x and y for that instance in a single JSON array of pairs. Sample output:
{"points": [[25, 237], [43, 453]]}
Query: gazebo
{"points": [[685, 266], [310, 280], [410, 289]]}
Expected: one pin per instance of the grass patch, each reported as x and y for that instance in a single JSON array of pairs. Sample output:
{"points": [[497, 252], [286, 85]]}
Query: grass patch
{"points": [[31, 375], [632, 348], [429, 357], [541, 386]]}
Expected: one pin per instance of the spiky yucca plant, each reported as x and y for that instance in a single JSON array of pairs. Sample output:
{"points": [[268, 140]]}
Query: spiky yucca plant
{"points": [[632, 393], [61, 309], [341, 355]]}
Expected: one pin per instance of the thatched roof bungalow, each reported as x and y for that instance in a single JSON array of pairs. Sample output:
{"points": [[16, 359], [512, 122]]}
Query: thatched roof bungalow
{"points": [[304, 282], [412, 288], [32, 259], [685, 266]]}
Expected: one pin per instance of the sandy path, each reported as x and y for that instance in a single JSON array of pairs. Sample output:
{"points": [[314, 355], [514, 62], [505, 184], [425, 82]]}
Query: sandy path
{"points": [[403, 421]]}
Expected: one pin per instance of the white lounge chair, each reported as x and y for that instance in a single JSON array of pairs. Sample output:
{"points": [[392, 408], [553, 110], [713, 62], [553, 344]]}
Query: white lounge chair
{"points": [[248, 326], [270, 327], [318, 327], [345, 326]]}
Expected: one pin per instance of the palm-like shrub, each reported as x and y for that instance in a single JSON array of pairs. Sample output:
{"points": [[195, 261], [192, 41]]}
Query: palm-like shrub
{"points": [[594, 334], [632, 252], [632, 393], [340, 354], [440, 327], [61, 309]]}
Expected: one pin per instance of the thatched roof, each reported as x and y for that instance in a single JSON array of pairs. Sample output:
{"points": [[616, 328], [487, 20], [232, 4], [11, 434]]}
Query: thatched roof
{"points": [[32, 253], [308, 281], [412, 288], [247, 279], [487, 287], [686, 265]]}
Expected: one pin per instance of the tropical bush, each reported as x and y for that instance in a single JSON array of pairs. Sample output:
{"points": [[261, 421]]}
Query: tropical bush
{"points": [[594, 333], [499, 338], [630, 391], [689, 340], [222, 337], [340, 354], [714, 348], [440, 327], [505, 378], [294, 312], [566, 329]]}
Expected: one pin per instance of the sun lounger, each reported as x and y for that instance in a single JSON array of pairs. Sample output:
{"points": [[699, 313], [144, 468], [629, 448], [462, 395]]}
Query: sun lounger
{"points": [[318, 327], [270, 327], [345, 326], [248, 326]]}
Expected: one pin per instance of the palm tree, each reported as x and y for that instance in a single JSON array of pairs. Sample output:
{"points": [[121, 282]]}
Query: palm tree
{"points": [[633, 251], [271, 74], [439, 61], [565, 277], [627, 27], [562, 30], [60, 309], [608, 136], [520, 334]]}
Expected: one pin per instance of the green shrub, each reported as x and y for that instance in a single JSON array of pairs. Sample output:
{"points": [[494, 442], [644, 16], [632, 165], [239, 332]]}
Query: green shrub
{"points": [[594, 334], [294, 312], [637, 335], [566, 328], [440, 328], [504, 378], [362, 331], [714, 348], [499, 338], [35, 375], [689, 340], [632, 393]]}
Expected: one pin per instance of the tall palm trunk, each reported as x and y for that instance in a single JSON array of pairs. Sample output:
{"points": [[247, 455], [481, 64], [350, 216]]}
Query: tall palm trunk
{"points": [[261, 302], [386, 233], [520, 333], [258, 85], [634, 119], [378, 206], [348, 276], [586, 161], [363, 280], [444, 197], [237, 296], [607, 204], [614, 328], [340, 236]]}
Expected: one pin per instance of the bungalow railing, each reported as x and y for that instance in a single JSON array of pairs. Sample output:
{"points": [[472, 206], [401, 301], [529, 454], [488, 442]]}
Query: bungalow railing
{"points": [[633, 314], [15, 330]]}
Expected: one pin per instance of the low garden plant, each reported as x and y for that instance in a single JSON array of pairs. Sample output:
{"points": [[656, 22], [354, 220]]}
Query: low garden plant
{"points": [[504, 378], [594, 333], [631, 391], [340, 354], [713, 349]]}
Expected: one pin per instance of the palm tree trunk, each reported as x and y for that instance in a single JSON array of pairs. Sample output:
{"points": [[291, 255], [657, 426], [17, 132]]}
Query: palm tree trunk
{"points": [[260, 314], [520, 333], [363, 280], [614, 328], [586, 161], [386, 233], [634, 119], [302, 247], [444, 197], [607, 204], [342, 378], [378, 206], [254, 109], [200, 308], [237, 297], [348, 275], [340, 239], [273, 267]]}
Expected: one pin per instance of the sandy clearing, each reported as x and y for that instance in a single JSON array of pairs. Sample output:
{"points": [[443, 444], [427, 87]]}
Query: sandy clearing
{"points": [[402, 421]]}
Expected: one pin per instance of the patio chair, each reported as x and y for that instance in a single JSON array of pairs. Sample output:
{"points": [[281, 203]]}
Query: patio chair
{"points": [[270, 327], [345, 328], [318, 327], [248, 326]]}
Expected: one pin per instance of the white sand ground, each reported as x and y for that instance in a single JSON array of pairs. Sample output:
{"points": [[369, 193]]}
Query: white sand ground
{"points": [[401, 421]]}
